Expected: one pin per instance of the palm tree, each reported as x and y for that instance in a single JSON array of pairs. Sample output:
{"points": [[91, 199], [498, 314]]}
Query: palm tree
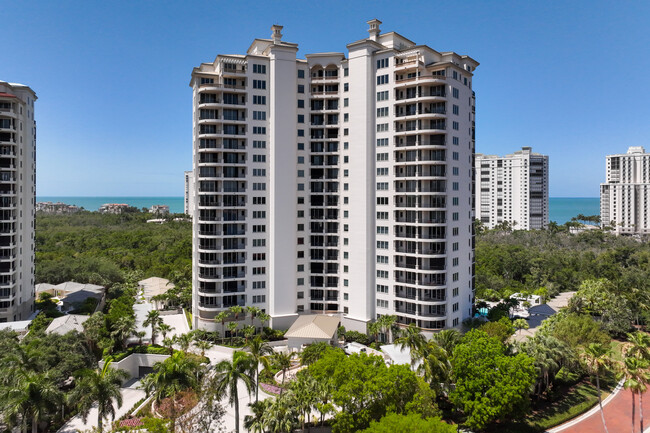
{"points": [[304, 392], [202, 345], [259, 351], [282, 360], [639, 348], [31, 396], [373, 329], [123, 328], [255, 423], [435, 366], [635, 378], [168, 342], [597, 359], [253, 311], [154, 320], [165, 329], [221, 318], [101, 387], [549, 355], [323, 391], [232, 327], [447, 339], [263, 318], [236, 310], [249, 331], [386, 323], [184, 341], [227, 376], [140, 335], [282, 415], [414, 341], [175, 374], [520, 324]]}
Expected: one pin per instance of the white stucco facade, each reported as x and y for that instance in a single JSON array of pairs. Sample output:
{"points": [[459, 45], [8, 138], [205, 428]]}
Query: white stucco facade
{"points": [[336, 184], [513, 189], [17, 200], [625, 195]]}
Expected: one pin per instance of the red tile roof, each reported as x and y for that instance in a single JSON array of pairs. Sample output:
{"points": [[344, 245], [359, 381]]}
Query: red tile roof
{"points": [[7, 95]]}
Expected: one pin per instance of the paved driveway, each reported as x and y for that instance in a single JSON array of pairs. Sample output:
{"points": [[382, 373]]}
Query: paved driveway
{"points": [[216, 355], [130, 396], [618, 416], [178, 324]]}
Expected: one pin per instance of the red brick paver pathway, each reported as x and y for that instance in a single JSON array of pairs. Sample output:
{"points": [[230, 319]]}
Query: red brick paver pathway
{"points": [[618, 416]]}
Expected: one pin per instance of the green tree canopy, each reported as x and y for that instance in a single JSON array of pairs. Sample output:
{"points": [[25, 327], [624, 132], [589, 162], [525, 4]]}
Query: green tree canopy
{"points": [[490, 385], [364, 388], [412, 423]]}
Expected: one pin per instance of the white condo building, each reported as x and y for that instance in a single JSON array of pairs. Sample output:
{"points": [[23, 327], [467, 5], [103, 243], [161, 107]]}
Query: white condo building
{"points": [[625, 195], [17, 201], [335, 184], [188, 207], [513, 189]]}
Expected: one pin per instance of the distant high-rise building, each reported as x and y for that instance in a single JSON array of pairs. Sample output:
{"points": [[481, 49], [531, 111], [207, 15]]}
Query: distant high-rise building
{"points": [[17, 201], [335, 184], [513, 189], [189, 193], [625, 195]]}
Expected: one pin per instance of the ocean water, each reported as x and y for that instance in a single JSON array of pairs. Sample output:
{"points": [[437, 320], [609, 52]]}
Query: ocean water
{"points": [[561, 209], [176, 204]]}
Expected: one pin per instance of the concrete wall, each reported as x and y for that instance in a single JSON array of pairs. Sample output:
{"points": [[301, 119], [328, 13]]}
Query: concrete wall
{"points": [[133, 362]]}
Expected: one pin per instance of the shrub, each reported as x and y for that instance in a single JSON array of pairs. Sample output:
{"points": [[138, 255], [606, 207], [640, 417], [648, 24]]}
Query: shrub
{"points": [[357, 337]]}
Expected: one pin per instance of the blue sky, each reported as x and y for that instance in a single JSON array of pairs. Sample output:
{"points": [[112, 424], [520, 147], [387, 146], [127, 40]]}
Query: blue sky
{"points": [[114, 108]]}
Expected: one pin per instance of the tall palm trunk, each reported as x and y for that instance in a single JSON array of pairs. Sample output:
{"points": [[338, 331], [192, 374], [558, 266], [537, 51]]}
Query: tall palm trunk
{"points": [[34, 424], [173, 420], [100, 421], [600, 403], [257, 382], [236, 413]]}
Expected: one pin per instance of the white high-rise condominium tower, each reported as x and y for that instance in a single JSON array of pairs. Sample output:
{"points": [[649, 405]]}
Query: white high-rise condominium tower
{"points": [[17, 201], [188, 207], [513, 189], [335, 184], [625, 196]]}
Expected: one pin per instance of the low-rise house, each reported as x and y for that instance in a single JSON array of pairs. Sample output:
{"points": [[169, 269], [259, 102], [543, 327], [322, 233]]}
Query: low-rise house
{"points": [[45, 288], [160, 209], [68, 323], [20, 327], [72, 294], [56, 208], [114, 208]]}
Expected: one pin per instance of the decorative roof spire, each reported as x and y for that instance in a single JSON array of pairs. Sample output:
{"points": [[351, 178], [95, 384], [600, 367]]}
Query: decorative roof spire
{"points": [[374, 28], [277, 33]]}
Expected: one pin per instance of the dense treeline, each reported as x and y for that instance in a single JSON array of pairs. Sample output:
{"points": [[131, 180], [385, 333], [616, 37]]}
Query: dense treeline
{"points": [[547, 262], [90, 247]]}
